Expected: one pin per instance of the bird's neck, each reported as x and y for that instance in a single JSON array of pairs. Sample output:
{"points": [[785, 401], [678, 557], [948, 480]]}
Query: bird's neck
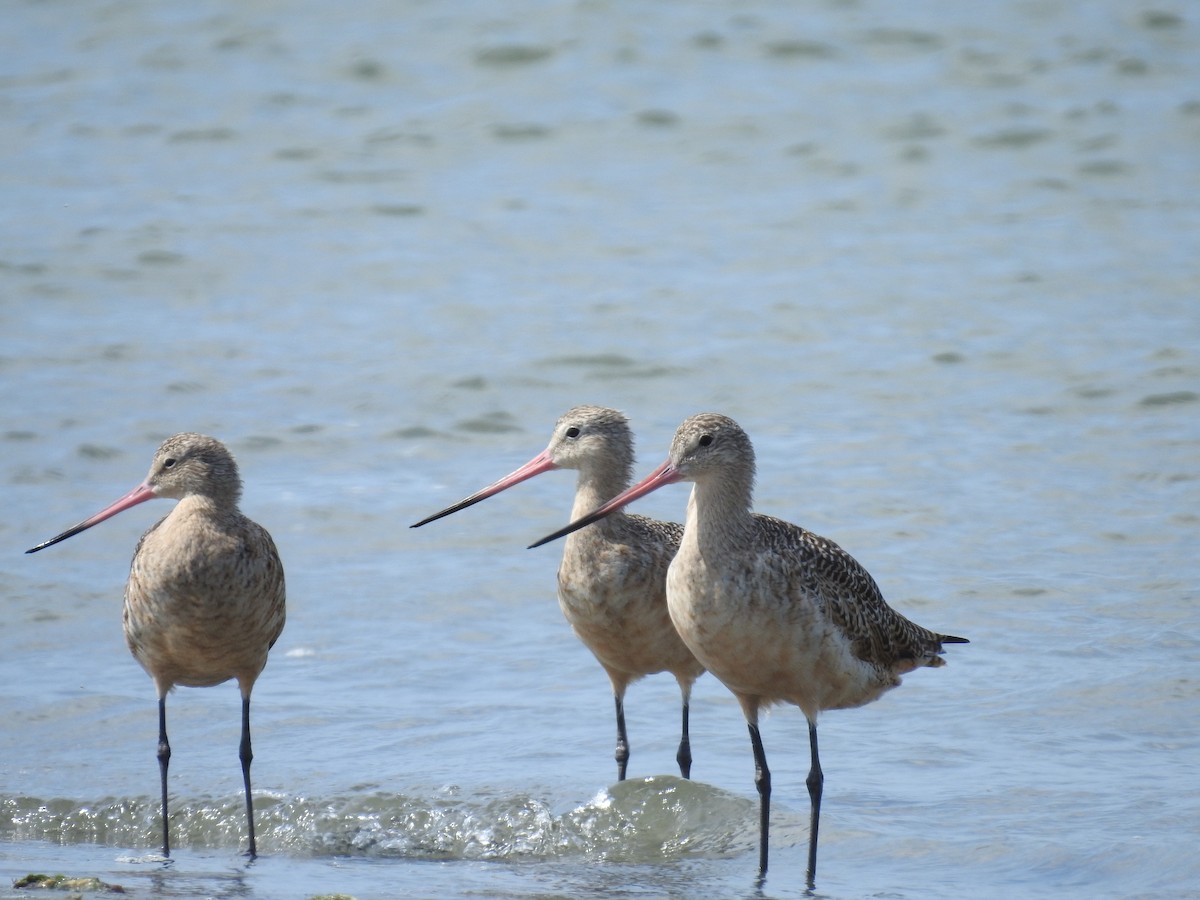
{"points": [[719, 517], [202, 506], [595, 488]]}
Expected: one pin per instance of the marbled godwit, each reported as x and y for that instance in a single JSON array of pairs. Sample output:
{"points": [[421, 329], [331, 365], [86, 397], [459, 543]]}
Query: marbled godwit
{"points": [[205, 598], [777, 613], [611, 583]]}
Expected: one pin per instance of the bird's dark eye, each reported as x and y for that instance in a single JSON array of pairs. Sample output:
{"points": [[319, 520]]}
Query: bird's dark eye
{"points": [[168, 463], [705, 440], [573, 432]]}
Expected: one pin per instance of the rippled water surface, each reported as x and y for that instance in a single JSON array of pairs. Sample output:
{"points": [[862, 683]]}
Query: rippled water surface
{"points": [[940, 261]]}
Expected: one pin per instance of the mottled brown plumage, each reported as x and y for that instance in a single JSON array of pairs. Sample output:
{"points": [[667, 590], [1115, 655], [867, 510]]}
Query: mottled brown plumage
{"points": [[204, 602], [612, 580], [777, 613]]}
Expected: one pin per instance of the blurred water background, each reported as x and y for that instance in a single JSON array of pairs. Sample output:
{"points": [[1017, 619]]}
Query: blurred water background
{"points": [[939, 260]]}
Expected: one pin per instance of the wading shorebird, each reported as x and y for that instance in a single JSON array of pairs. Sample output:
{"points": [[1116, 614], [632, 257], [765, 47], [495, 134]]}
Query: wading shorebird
{"points": [[205, 598], [612, 580], [778, 614]]}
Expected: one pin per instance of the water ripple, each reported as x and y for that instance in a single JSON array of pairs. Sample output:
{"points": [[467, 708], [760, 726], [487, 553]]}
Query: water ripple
{"points": [[642, 820]]}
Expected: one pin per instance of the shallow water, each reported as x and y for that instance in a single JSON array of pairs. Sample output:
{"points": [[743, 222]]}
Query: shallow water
{"points": [[939, 260]]}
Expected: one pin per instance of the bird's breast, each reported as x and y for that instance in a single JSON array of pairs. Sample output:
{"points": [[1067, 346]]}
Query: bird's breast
{"points": [[616, 604], [203, 604], [763, 635]]}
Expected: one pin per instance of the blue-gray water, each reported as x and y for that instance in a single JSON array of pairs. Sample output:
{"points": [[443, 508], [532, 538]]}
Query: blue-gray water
{"points": [[939, 259]]}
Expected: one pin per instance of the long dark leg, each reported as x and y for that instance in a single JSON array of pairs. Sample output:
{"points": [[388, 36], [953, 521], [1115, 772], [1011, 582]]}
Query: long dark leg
{"points": [[684, 756], [164, 759], [762, 781], [622, 754], [247, 755], [816, 782]]}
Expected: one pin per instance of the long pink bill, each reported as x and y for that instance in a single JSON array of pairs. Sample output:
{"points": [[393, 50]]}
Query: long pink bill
{"points": [[664, 474], [139, 494], [536, 466]]}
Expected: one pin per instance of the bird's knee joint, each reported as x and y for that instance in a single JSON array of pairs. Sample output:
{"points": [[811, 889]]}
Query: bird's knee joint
{"points": [[762, 781]]}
